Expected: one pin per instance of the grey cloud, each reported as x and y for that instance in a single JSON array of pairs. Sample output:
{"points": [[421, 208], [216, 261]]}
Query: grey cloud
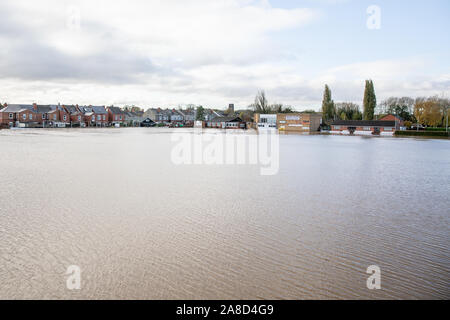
{"points": [[29, 57]]}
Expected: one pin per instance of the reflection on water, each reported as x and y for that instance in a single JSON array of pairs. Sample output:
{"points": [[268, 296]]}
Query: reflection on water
{"points": [[112, 202]]}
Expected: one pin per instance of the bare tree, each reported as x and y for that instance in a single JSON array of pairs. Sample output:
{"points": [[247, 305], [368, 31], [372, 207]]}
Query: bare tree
{"points": [[261, 104]]}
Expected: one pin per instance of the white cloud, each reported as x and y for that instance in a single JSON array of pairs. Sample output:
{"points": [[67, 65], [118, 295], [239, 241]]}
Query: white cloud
{"points": [[168, 52]]}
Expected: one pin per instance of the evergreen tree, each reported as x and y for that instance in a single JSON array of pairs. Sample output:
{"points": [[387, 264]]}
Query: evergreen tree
{"points": [[200, 114], [370, 101], [328, 109]]}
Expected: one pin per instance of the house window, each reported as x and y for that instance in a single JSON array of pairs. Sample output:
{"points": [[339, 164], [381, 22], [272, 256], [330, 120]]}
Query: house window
{"points": [[366, 128], [93, 118], [65, 117], [79, 118], [387, 129], [120, 117], [24, 116], [337, 127], [43, 116], [11, 115], [99, 117], [115, 118], [31, 116], [104, 117], [54, 117]]}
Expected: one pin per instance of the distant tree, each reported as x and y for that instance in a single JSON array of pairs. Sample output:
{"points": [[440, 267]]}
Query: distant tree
{"points": [[286, 109], [246, 115], [136, 109], [309, 111], [429, 111], [277, 107], [408, 124], [261, 104], [370, 101], [402, 107], [348, 111], [132, 108], [328, 108], [280, 108], [200, 114]]}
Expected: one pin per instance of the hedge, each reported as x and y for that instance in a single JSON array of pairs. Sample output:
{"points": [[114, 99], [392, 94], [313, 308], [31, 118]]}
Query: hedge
{"points": [[434, 129], [422, 133]]}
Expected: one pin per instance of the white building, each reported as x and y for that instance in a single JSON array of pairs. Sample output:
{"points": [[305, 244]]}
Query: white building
{"points": [[266, 121]]}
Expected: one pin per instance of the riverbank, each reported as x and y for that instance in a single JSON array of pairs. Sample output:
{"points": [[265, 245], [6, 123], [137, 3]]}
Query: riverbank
{"points": [[426, 134]]}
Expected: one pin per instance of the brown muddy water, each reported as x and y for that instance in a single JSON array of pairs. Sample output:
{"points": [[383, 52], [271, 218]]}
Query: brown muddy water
{"points": [[139, 226]]}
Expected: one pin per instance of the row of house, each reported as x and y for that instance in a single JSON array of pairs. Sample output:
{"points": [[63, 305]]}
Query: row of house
{"points": [[177, 117], [23, 115]]}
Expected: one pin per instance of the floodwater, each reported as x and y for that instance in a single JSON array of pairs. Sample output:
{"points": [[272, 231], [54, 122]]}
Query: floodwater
{"points": [[139, 226]]}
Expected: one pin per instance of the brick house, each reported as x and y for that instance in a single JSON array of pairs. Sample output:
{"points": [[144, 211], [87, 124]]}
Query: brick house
{"points": [[116, 116], [27, 118], [20, 115], [364, 127], [95, 116], [101, 116], [88, 115], [8, 115], [76, 116], [53, 115], [400, 123]]}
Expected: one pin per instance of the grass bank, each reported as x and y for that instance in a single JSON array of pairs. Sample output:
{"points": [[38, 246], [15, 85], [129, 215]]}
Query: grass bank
{"points": [[412, 133]]}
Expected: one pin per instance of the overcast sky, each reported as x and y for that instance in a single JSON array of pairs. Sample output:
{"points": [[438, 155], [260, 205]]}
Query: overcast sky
{"points": [[163, 53]]}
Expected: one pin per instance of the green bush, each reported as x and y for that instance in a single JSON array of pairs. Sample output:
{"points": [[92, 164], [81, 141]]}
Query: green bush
{"points": [[434, 129], [422, 133]]}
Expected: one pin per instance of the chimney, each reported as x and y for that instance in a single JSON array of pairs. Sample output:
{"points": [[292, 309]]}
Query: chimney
{"points": [[34, 106]]}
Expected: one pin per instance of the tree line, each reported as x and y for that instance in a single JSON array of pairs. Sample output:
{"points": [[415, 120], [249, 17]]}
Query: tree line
{"points": [[428, 111]]}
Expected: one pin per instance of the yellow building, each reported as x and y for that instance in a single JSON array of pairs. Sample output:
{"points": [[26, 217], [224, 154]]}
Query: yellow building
{"points": [[299, 122]]}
